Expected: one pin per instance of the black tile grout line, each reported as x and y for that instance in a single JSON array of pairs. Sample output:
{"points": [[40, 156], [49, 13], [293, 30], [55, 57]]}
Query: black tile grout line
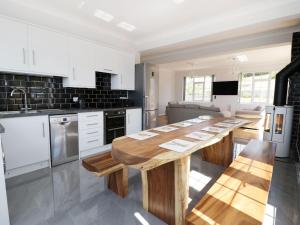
{"points": [[48, 92]]}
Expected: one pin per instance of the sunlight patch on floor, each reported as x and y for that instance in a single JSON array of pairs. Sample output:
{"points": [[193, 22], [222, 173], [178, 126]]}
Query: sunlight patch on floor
{"points": [[198, 180], [270, 215], [141, 219]]}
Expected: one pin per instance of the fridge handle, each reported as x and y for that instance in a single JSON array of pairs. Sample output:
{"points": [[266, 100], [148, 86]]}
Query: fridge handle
{"points": [[146, 120], [146, 101]]}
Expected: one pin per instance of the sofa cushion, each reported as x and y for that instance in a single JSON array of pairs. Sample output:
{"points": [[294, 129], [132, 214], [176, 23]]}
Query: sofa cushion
{"points": [[210, 108], [192, 106], [176, 105], [173, 102]]}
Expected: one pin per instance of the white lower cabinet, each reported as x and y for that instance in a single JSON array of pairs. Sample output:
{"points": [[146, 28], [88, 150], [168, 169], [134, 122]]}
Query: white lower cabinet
{"points": [[90, 128], [133, 120], [26, 144]]}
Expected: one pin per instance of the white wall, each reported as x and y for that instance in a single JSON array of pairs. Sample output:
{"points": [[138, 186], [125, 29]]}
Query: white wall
{"points": [[166, 89], [227, 74]]}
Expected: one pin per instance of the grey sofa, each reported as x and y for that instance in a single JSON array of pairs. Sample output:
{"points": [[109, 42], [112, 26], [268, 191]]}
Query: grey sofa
{"points": [[177, 112]]}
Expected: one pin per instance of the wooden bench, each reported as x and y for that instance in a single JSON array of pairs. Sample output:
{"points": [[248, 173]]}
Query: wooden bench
{"points": [[240, 195], [104, 165]]}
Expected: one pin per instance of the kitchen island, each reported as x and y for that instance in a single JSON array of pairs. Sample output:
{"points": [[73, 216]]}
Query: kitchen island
{"points": [[165, 172]]}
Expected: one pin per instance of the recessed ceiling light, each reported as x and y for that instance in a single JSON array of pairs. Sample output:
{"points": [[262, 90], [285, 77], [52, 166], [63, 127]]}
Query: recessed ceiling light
{"points": [[81, 4], [178, 1], [242, 58], [126, 26], [103, 15]]}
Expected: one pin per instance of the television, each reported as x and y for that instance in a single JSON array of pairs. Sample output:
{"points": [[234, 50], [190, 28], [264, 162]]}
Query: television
{"points": [[225, 88]]}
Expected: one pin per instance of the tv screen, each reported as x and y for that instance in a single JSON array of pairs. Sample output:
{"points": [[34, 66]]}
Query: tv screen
{"points": [[225, 88]]}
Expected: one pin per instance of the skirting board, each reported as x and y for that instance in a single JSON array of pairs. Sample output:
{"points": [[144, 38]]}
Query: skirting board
{"points": [[27, 169]]}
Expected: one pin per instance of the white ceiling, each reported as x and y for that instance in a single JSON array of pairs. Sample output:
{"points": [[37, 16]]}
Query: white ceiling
{"points": [[158, 23], [279, 55]]}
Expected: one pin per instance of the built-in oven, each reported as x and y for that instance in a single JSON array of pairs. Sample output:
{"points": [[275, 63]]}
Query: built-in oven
{"points": [[114, 125]]}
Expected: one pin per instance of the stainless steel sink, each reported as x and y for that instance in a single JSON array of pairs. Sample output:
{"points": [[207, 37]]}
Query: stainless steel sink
{"points": [[50, 110], [17, 112]]}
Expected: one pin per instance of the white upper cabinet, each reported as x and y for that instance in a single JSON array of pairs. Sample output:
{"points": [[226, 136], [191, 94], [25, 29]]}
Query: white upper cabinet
{"points": [[128, 71], [30, 49], [106, 60], [13, 46], [124, 79], [81, 64], [47, 52]]}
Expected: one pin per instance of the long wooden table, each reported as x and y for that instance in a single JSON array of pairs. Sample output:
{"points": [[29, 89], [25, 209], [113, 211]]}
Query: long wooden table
{"points": [[165, 173]]}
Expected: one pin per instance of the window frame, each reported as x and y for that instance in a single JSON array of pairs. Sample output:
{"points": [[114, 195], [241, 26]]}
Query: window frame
{"points": [[199, 82], [253, 81]]}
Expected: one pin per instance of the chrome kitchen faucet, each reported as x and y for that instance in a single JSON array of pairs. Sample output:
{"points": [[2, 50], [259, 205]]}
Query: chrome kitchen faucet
{"points": [[26, 108]]}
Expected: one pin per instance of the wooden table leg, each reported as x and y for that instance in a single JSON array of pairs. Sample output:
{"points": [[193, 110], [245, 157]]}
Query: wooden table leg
{"points": [[145, 189], [118, 182], [220, 153], [165, 191], [182, 171]]}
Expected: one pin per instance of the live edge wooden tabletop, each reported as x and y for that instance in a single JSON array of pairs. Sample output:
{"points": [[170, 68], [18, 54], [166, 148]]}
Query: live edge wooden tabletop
{"points": [[240, 195], [164, 172], [147, 154]]}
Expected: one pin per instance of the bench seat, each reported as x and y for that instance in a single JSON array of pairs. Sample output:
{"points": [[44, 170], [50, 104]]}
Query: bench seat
{"points": [[240, 195], [104, 165]]}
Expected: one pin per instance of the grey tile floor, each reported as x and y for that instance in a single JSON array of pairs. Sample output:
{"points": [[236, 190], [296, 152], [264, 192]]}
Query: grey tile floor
{"points": [[69, 195]]}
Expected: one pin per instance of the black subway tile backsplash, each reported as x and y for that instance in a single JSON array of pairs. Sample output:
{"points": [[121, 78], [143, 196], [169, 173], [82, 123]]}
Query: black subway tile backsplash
{"points": [[48, 93]]}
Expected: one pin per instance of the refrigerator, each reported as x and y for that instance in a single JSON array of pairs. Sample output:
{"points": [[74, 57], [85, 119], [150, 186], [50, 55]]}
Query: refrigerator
{"points": [[146, 93]]}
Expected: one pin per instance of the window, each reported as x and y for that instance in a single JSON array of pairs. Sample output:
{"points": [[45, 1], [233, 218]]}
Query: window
{"points": [[197, 88], [257, 87]]}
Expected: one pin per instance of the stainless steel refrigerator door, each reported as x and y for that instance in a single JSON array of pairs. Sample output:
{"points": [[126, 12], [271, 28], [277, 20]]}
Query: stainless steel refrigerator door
{"points": [[64, 142], [150, 119], [151, 87]]}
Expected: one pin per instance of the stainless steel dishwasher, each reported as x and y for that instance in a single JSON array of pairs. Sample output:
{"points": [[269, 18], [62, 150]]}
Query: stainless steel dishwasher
{"points": [[64, 138]]}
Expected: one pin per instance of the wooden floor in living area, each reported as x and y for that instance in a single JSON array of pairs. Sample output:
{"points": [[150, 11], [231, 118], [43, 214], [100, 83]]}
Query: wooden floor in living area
{"points": [[162, 120]]}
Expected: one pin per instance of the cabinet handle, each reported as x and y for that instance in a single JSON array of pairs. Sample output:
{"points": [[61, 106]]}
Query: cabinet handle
{"points": [[95, 132], [128, 118], [93, 141], [92, 124], [24, 56], [43, 125], [92, 116], [33, 57], [73, 70]]}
